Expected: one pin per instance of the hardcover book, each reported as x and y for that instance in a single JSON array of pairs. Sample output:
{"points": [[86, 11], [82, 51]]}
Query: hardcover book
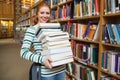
{"points": [[46, 26], [55, 37], [56, 50]]}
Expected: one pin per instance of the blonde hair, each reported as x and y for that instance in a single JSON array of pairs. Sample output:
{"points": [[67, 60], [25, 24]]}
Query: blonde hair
{"points": [[41, 4]]}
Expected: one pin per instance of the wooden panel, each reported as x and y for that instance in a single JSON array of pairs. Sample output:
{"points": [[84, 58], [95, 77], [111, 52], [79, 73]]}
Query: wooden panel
{"points": [[6, 11], [1, 9]]}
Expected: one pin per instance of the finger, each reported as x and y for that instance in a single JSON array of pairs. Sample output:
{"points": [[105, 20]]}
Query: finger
{"points": [[48, 64]]}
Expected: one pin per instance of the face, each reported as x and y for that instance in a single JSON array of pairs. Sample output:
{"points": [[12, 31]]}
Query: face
{"points": [[43, 14]]}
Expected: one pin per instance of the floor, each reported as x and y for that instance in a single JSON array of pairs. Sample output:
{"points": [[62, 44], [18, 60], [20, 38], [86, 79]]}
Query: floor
{"points": [[12, 66]]}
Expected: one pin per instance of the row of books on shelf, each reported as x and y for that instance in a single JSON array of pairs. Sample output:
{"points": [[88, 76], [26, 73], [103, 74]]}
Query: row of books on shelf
{"points": [[88, 31], [55, 43], [86, 8], [111, 33], [33, 11], [56, 2], [111, 61], [112, 6], [54, 14], [24, 23], [65, 12], [85, 53], [76, 9], [24, 16], [81, 72]]}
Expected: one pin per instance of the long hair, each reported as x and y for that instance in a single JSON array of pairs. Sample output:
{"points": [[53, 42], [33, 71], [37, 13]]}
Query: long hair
{"points": [[41, 4]]}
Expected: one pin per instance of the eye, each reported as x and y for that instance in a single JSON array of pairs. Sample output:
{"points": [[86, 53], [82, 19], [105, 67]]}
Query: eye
{"points": [[41, 12], [47, 13]]}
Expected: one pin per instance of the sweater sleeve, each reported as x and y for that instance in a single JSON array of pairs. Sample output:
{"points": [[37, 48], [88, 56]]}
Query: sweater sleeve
{"points": [[26, 52]]}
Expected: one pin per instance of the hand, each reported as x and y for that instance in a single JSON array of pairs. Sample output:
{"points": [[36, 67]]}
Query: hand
{"points": [[47, 62]]}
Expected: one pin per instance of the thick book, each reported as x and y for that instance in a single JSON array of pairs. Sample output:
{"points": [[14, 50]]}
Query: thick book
{"points": [[93, 29], [111, 34], [52, 46], [56, 50], [105, 35], [41, 35], [61, 62], [53, 43], [60, 56], [55, 37], [116, 33], [46, 26]]}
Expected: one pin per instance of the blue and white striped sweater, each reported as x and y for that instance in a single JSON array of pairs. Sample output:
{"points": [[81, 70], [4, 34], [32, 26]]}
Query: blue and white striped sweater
{"points": [[34, 55]]}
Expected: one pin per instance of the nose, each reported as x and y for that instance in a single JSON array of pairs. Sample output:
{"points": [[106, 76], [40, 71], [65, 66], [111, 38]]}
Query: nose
{"points": [[45, 15]]}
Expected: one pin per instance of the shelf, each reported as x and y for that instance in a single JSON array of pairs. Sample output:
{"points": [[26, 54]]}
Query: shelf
{"points": [[114, 75], [112, 15], [80, 18], [87, 41], [112, 45], [85, 64]]}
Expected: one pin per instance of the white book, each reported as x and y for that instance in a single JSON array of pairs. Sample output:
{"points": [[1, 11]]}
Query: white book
{"points": [[61, 62], [96, 34], [56, 50], [49, 30], [54, 43], [46, 26], [60, 56], [55, 37], [56, 46], [57, 34], [42, 35], [92, 75]]}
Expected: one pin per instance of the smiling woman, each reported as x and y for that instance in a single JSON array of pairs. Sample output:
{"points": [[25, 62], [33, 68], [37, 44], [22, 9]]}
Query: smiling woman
{"points": [[43, 13], [47, 71]]}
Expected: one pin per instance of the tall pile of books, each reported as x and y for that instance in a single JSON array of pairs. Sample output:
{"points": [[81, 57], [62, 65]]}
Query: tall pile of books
{"points": [[55, 43]]}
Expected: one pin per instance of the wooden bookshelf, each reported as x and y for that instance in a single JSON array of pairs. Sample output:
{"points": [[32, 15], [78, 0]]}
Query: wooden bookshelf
{"points": [[102, 19]]}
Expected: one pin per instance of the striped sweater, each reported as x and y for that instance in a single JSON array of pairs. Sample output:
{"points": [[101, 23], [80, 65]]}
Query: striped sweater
{"points": [[34, 55]]}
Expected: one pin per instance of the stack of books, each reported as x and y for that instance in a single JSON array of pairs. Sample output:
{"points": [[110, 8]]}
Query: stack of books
{"points": [[55, 44]]}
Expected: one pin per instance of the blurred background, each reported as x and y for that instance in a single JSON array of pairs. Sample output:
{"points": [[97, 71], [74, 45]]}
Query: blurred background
{"points": [[12, 66]]}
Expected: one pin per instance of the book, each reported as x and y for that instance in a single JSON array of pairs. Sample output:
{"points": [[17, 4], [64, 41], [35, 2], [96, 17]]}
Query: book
{"points": [[42, 34], [46, 26], [97, 7], [105, 35], [111, 35], [55, 37], [61, 62], [52, 43], [56, 45], [91, 34], [116, 33], [60, 56], [118, 64], [96, 34], [56, 50]]}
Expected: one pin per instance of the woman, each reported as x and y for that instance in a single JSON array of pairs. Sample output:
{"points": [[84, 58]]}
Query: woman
{"points": [[47, 71]]}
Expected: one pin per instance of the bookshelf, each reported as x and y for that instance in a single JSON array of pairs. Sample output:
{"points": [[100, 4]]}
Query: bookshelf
{"points": [[101, 17]]}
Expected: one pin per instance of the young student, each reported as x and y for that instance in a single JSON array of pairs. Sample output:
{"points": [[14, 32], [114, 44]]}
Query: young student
{"points": [[47, 71]]}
